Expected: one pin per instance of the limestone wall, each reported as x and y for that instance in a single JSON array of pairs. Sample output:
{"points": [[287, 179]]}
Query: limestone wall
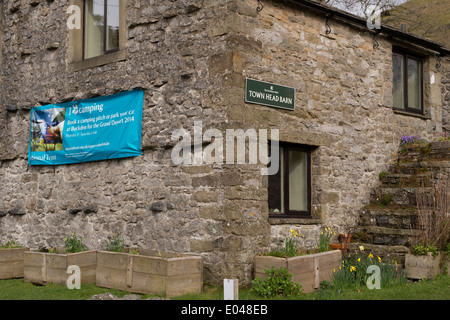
{"points": [[343, 104], [445, 67], [192, 58]]}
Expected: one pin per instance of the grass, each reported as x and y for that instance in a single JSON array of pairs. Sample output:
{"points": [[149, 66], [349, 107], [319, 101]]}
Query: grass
{"points": [[438, 289], [18, 289]]}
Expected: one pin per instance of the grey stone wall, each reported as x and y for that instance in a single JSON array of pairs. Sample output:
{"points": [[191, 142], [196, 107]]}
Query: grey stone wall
{"points": [[192, 58], [445, 67]]}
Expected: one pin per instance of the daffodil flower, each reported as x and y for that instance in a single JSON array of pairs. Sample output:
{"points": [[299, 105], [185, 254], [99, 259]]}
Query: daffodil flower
{"points": [[379, 259], [361, 248], [352, 268], [359, 260], [370, 255]]}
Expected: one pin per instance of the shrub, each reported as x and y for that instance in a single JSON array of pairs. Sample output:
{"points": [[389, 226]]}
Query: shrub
{"points": [[290, 249], [433, 219], [116, 244], [420, 250], [323, 242], [277, 283], [383, 174], [353, 272], [74, 244], [11, 245]]}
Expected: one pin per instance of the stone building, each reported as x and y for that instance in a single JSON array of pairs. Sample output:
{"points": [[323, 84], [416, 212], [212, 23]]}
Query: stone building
{"points": [[192, 58]]}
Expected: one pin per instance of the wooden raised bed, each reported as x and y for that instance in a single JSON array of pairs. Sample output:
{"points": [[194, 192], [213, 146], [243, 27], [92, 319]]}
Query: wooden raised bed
{"points": [[422, 267], [11, 263], [44, 267], [307, 270], [150, 272]]}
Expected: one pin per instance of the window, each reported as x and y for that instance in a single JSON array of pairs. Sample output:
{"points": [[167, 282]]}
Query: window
{"points": [[290, 189], [407, 85], [101, 27]]}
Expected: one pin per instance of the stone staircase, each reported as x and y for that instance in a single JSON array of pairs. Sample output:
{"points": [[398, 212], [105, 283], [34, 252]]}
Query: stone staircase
{"points": [[388, 223]]}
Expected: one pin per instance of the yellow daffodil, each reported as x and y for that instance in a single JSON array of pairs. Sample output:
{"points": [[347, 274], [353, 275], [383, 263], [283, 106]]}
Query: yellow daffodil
{"points": [[379, 259], [370, 255], [334, 270], [359, 260], [352, 268]]}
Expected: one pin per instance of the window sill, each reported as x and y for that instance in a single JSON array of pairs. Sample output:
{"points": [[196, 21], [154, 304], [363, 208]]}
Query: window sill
{"points": [[275, 221], [412, 114], [98, 61]]}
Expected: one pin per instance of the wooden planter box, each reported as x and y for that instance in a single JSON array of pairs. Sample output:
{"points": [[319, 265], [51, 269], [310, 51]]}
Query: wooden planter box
{"points": [[448, 266], [43, 267], [11, 263], [308, 270], [150, 272], [422, 267]]}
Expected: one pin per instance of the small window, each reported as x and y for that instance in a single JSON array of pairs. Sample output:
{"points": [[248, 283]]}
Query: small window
{"points": [[407, 84], [101, 27], [289, 190]]}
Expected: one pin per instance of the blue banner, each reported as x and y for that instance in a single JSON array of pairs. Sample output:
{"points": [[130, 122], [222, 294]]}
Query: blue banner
{"points": [[87, 130]]}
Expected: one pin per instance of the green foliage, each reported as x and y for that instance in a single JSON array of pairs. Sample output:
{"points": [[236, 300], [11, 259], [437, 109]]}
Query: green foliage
{"points": [[290, 249], [116, 244], [277, 283], [382, 175], [323, 242], [11, 245], [135, 251], [74, 244], [353, 272], [387, 199], [420, 250]]}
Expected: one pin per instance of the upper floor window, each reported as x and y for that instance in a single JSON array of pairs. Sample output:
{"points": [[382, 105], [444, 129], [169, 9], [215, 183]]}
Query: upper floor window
{"points": [[101, 27], [407, 85]]}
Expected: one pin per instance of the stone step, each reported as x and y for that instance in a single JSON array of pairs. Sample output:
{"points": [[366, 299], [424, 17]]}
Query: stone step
{"points": [[419, 167], [396, 196], [399, 180], [387, 236], [401, 218], [433, 151]]}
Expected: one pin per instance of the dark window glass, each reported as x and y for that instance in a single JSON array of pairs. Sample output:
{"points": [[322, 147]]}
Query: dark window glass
{"points": [[407, 82], [289, 190]]}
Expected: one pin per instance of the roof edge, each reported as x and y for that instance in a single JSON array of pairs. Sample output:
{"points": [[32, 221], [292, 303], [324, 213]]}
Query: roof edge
{"points": [[332, 11]]}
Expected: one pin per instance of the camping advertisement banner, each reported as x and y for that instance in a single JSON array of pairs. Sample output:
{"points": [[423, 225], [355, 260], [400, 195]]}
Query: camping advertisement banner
{"points": [[87, 130]]}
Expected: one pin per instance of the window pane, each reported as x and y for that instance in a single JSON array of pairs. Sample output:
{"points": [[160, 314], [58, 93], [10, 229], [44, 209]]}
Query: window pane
{"points": [[276, 190], [414, 81], [397, 89], [298, 182], [94, 28], [112, 31]]}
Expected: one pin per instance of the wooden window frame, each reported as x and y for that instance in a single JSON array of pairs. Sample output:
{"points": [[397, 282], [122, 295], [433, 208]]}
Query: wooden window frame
{"points": [[76, 61], [405, 56], [305, 214], [105, 31]]}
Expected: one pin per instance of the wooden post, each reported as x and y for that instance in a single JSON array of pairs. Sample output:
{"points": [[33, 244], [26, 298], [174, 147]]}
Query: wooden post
{"points": [[230, 289]]}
